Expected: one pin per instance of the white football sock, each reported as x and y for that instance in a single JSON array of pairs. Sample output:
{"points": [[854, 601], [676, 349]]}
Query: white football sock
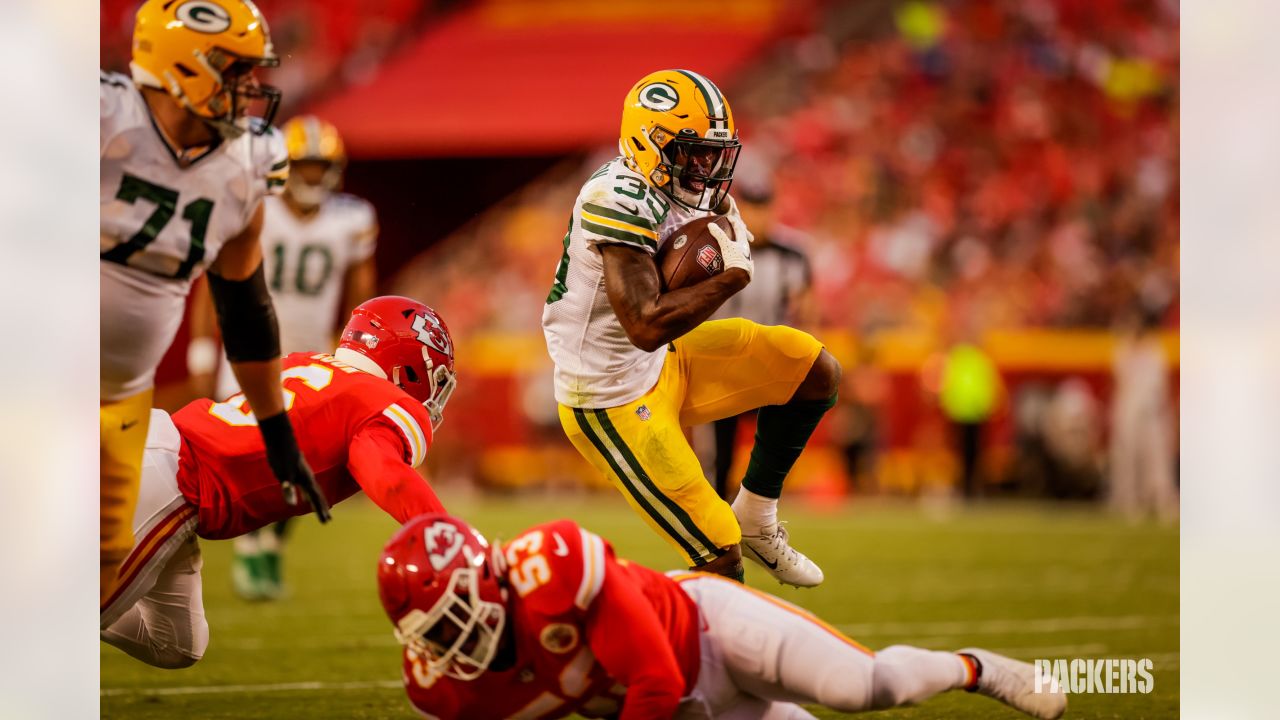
{"points": [[268, 541], [754, 511], [904, 675], [247, 544]]}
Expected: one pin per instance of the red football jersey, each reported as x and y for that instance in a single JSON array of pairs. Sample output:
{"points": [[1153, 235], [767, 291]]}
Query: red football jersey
{"points": [[356, 430], [588, 630]]}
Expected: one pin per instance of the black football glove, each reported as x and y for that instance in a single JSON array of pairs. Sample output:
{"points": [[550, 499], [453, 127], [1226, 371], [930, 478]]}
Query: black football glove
{"points": [[288, 464]]}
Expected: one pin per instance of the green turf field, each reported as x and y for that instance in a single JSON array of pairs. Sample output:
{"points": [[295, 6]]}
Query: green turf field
{"points": [[1029, 581]]}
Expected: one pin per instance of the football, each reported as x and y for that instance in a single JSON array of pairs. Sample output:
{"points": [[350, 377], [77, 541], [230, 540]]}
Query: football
{"points": [[691, 254]]}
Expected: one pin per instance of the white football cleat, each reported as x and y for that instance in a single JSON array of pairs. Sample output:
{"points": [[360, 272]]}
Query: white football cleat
{"points": [[773, 552], [1013, 683]]}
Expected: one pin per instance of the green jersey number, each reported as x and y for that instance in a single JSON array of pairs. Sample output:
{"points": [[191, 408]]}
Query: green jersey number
{"points": [[636, 189], [558, 288], [196, 213], [633, 188], [312, 268]]}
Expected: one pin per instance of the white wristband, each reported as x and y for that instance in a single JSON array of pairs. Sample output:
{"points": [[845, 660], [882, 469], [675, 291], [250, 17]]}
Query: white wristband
{"points": [[202, 356]]}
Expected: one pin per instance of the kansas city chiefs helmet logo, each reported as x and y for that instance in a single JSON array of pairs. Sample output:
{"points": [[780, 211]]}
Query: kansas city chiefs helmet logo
{"points": [[443, 544], [431, 333]]}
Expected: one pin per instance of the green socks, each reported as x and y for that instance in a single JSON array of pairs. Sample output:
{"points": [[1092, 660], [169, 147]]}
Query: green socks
{"points": [[781, 434]]}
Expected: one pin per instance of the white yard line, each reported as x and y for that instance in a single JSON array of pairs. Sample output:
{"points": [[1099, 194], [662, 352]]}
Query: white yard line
{"points": [[340, 642], [270, 687], [928, 634], [1032, 625], [1162, 661], [916, 632]]}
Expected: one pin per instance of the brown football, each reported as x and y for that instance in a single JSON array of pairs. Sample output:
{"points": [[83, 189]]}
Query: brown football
{"points": [[691, 254]]}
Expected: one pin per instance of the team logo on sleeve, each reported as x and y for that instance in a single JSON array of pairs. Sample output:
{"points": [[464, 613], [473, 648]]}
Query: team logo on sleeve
{"points": [[205, 17], [559, 638], [443, 544], [659, 96]]}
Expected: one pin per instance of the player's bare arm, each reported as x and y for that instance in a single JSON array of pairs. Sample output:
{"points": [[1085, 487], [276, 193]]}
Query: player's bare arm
{"points": [[252, 340], [650, 317], [202, 351], [360, 284]]}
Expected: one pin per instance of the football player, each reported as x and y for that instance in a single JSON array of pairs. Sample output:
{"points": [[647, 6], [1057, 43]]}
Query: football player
{"points": [[634, 364], [366, 414], [183, 170], [318, 245], [552, 624]]}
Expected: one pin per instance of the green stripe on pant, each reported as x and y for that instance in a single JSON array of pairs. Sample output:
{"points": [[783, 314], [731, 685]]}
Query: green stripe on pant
{"points": [[692, 532]]}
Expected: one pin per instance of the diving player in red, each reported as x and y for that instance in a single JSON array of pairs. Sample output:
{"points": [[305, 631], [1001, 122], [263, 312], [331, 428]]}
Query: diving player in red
{"points": [[365, 417], [552, 624]]}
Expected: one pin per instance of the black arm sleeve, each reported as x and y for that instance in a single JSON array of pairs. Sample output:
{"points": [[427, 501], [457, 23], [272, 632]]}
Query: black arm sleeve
{"points": [[246, 317]]}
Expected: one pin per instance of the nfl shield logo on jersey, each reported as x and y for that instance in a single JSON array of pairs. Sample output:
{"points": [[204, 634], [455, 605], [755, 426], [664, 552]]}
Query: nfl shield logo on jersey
{"points": [[643, 412]]}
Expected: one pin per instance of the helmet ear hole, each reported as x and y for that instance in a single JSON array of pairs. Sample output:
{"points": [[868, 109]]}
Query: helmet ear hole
{"points": [[636, 141], [410, 374]]}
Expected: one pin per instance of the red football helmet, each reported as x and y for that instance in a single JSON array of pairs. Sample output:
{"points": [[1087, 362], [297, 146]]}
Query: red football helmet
{"points": [[411, 343], [438, 584]]}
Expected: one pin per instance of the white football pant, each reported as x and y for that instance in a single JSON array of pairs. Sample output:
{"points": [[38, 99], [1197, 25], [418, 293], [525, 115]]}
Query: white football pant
{"points": [[157, 613], [762, 655]]}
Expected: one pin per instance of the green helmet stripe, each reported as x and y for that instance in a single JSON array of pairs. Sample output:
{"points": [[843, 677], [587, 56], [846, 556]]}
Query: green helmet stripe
{"points": [[714, 99]]}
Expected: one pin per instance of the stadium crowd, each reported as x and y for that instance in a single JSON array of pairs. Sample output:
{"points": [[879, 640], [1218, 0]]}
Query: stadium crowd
{"points": [[947, 167], [971, 166], [1006, 163], [338, 44]]}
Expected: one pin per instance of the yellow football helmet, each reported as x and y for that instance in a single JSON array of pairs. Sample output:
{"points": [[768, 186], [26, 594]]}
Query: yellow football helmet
{"points": [[678, 132], [312, 140], [203, 53]]}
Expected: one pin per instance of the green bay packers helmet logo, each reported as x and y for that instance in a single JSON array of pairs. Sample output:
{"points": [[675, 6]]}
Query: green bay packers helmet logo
{"points": [[659, 96], [203, 16]]}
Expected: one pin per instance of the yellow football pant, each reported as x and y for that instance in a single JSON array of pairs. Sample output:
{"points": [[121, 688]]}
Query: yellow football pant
{"points": [[122, 434], [719, 369]]}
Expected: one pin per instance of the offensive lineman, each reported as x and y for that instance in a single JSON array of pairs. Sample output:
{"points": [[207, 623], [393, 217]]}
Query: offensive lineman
{"points": [[552, 624], [366, 416], [318, 245], [183, 170], [635, 365]]}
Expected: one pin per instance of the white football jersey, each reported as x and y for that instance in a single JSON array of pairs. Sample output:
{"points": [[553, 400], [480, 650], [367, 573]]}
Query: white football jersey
{"points": [[162, 224], [596, 365], [306, 261]]}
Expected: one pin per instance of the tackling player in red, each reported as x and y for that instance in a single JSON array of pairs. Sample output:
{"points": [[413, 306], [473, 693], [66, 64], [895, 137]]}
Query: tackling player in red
{"points": [[552, 624], [365, 417]]}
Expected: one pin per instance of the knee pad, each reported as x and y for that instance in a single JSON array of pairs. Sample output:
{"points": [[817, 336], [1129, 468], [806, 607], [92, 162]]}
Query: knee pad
{"points": [[175, 659], [847, 688]]}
